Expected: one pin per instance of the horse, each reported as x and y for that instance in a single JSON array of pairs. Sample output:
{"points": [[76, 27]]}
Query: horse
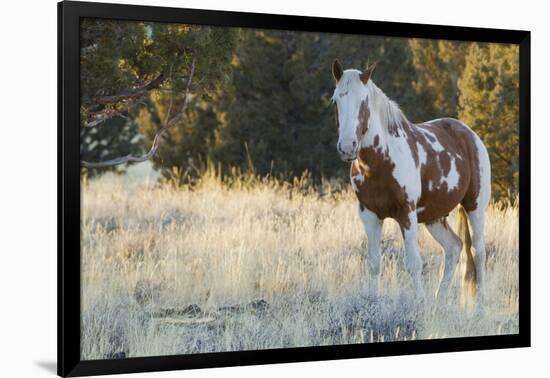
{"points": [[414, 174]]}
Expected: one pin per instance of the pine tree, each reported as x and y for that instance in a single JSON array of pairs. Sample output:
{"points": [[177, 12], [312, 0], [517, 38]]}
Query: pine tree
{"points": [[489, 103], [257, 130], [438, 65]]}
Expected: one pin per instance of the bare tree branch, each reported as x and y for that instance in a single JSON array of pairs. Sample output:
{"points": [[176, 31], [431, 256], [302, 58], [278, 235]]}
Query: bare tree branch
{"points": [[95, 118], [159, 134], [125, 95], [169, 111], [129, 98]]}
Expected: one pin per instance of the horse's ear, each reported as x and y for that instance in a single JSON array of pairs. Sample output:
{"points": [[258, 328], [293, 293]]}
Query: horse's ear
{"points": [[367, 74], [337, 70]]}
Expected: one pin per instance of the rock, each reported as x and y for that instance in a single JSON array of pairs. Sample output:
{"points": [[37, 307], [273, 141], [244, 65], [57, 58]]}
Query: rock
{"points": [[192, 310], [259, 305], [115, 355]]}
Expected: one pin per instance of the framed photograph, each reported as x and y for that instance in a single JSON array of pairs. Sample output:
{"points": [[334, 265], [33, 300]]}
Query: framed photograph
{"points": [[239, 188]]}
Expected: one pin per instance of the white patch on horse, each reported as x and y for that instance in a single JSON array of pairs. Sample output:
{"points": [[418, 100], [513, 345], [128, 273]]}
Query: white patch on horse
{"points": [[402, 156], [438, 147], [360, 179], [452, 178], [422, 155], [484, 172], [353, 185]]}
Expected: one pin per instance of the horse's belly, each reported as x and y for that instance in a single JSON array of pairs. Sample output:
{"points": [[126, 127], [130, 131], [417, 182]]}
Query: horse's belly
{"points": [[437, 204]]}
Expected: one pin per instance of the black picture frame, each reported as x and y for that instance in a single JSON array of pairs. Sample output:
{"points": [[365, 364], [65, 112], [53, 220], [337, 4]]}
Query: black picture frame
{"points": [[69, 15]]}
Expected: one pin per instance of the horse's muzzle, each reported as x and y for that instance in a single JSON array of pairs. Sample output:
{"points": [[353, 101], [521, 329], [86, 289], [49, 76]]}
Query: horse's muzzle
{"points": [[348, 157], [347, 151]]}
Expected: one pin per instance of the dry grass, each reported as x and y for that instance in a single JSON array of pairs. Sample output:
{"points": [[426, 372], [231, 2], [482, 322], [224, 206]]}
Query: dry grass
{"points": [[255, 264]]}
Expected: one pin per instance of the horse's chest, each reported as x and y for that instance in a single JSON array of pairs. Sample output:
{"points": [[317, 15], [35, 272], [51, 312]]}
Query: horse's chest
{"points": [[379, 191]]}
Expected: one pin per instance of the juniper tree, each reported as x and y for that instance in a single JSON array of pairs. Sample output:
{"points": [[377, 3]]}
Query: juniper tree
{"points": [[489, 103]]}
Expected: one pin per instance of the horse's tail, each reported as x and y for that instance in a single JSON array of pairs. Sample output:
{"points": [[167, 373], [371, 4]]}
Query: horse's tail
{"points": [[468, 268]]}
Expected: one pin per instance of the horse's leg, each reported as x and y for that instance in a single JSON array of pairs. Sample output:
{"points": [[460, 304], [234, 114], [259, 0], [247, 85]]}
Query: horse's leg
{"points": [[452, 245], [477, 221], [373, 228], [413, 261]]}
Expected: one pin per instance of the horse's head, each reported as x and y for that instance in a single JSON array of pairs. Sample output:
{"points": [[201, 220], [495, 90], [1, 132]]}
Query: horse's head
{"points": [[351, 100]]}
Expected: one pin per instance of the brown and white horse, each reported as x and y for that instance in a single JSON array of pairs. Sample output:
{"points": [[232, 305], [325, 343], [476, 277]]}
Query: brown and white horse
{"points": [[413, 173]]}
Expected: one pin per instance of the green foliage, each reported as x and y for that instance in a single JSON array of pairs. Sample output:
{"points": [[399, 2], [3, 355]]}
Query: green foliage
{"points": [[269, 125], [438, 65], [118, 56], [489, 103]]}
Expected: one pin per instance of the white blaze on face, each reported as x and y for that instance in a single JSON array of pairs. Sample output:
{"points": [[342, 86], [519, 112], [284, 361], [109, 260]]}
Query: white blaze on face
{"points": [[349, 94]]}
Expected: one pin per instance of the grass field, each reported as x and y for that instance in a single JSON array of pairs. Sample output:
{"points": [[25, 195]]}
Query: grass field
{"points": [[247, 263]]}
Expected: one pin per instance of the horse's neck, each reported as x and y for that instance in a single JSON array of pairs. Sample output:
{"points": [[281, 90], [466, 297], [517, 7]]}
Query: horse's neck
{"points": [[381, 138], [379, 135]]}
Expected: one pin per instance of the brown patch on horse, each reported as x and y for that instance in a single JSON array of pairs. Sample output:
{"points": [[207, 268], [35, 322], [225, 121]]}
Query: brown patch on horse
{"points": [[409, 135], [363, 119], [379, 191], [437, 199], [393, 129]]}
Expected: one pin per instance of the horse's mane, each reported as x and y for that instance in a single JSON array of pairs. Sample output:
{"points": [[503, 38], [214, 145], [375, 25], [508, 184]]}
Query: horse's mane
{"points": [[389, 112]]}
